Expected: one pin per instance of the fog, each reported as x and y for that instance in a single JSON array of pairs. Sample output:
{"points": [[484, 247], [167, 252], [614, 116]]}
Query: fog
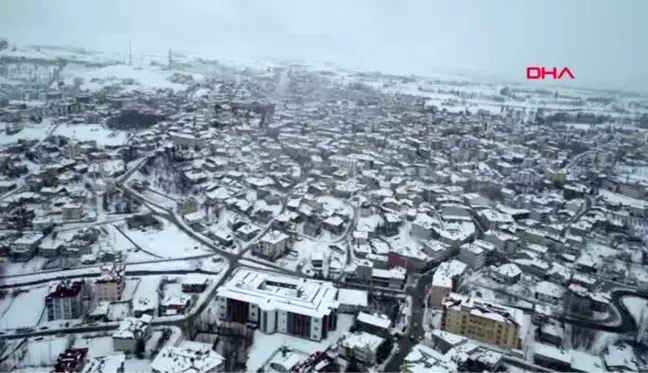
{"points": [[599, 40]]}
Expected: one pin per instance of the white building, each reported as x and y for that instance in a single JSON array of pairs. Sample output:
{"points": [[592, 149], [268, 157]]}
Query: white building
{"points": [[362, 346], [279, 303], [272, 245], [348, 164]]}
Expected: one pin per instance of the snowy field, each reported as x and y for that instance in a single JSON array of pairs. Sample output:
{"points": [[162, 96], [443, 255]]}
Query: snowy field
{"points": [[19, 268], [151, 77], [113, 241], [92, 132], [13, 312], [170, 242], [31, 131]]}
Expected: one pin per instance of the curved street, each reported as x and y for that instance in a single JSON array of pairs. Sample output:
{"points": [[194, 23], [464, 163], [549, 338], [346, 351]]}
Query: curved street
{"points": [[626, 324]]}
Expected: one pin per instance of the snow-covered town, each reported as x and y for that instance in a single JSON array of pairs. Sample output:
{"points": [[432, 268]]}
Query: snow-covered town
{"points": [[193, 215]]}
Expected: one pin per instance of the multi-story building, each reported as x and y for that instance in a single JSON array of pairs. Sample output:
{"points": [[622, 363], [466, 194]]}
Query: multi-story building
{"points": [[67, 300], [482, 320], [272, 245], [278, 303], [349, 164], [473, 255], [197, 358], [444, 281], [110, 284]]}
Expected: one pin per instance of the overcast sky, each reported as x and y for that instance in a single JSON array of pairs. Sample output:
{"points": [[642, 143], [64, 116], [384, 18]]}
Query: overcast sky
{"points": [[601, 41]]}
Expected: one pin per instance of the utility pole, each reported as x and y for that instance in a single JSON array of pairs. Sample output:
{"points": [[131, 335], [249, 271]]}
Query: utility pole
{"points": [[170, 58], [130, 54]]}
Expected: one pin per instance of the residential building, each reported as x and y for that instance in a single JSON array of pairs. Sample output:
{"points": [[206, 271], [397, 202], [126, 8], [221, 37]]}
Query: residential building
{"points": [[105, 364], [362, 346], [71, 360], [279, 303], [197, 358], [132, 334], [474, 256], [272, 245], [444, 281], [67, 300], [482, 320], [72, 211], [111, 282]]}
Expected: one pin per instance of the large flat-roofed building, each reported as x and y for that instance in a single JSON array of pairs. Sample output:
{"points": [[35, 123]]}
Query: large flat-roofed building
{"points": [[278, 303], [482, 320]]}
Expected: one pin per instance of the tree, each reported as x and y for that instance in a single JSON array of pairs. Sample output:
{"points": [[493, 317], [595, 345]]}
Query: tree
{"points": [[4, 43]]}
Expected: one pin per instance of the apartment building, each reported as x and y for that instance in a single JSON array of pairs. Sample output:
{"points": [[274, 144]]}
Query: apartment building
{"points": [[272, 245], [277, 303], [111, 282], [444, 281], [67, 300], [482, 320], [188, 140], [473, 255], [348, 164]]}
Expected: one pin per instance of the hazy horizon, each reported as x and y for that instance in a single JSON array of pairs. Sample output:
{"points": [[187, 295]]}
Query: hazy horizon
{"points": [[597, 39]]}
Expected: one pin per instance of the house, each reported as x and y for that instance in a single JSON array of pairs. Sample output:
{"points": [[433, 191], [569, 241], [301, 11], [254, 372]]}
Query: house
{"points": [[71, 360], [272, 245], [549, 292], [105, 364], [362, 346], [174, 304], [552, 357], [507, 273], [187, 206], [334, 224], [376, 324], [473, 255], [132, 334], [194, 283], [194, 357], [25, 247], [72, 211]]}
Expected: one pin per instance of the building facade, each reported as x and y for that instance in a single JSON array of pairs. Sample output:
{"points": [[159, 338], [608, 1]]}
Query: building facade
{"points": [[279, 304], [67, 300], [111, 283], [482, 320]]}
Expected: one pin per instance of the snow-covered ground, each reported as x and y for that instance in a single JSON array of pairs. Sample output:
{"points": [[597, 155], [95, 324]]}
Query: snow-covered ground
{"points": [[15, 314], [169, 242], [143, 78], [636, 306], [92, 132], [31, 131]]}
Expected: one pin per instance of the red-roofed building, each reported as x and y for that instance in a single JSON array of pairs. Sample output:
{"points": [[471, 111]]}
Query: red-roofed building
{"points": [[67, 300], [71, 360]]}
